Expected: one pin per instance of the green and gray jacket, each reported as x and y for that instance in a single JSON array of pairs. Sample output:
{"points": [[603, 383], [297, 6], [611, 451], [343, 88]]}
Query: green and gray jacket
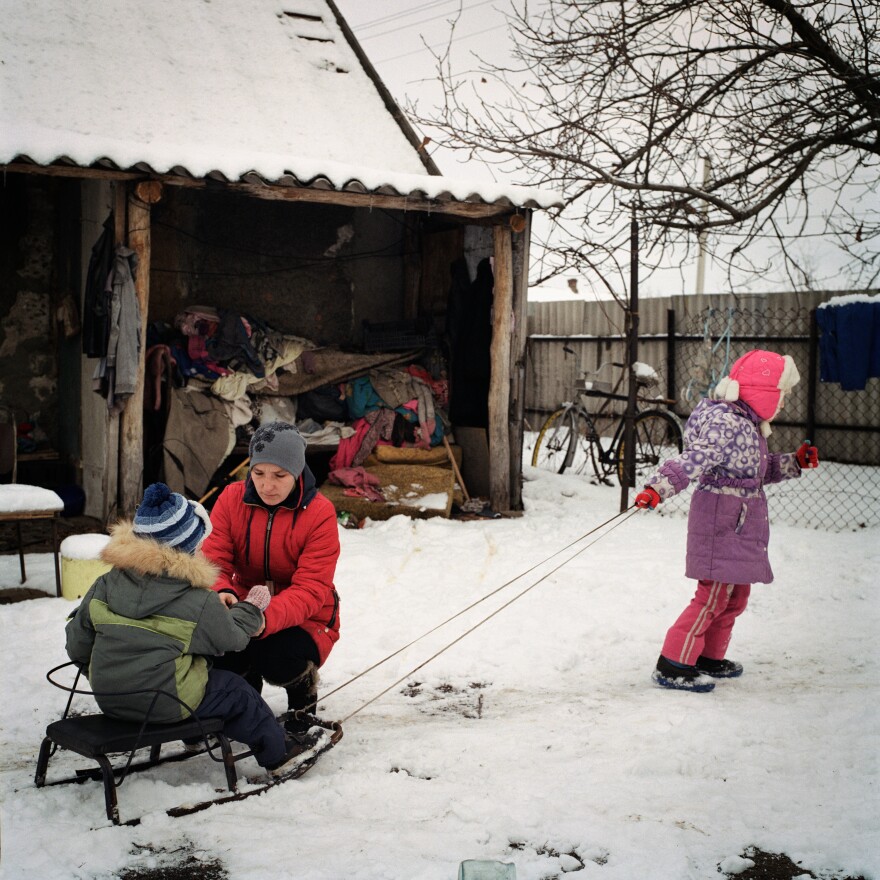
{"points": [[153, 622]]}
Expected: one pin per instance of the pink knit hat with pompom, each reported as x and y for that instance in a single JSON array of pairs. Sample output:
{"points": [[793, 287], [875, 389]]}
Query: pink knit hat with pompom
{"points": [[759, 378]]}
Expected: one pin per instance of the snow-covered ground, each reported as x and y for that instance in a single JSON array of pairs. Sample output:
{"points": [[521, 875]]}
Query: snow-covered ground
{"points": [[537, 739]]}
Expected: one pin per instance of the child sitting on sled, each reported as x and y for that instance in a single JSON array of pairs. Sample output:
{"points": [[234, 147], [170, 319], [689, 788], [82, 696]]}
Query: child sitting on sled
{"points": [[728, 527], [153, 622]]}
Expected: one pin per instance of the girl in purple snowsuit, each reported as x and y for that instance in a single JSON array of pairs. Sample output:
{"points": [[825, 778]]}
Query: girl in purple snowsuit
{"points": [[728, 527]]}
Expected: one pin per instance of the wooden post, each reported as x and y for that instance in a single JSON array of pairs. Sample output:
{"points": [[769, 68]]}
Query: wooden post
{"points": [[131, 438], [499, 383], [112, 469], [521, 226]]}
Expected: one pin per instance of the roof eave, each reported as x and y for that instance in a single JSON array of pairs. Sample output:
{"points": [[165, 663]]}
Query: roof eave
{"points": [[289, 187]]}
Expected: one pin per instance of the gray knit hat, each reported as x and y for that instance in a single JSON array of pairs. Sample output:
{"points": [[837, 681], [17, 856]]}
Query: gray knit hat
{"points": [[279, 443]]}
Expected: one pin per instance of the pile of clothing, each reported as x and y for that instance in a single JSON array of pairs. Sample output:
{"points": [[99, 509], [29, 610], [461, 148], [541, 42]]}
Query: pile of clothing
{"points": [[390, 406]]}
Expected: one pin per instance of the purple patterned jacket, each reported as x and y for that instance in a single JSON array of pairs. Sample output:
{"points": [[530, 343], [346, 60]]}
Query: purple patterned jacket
{"points": [[728, 526]]}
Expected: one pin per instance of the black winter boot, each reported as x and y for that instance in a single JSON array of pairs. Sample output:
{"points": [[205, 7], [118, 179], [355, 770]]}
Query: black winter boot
{"points": [[719, 668], [302, 695], [680, 678]]}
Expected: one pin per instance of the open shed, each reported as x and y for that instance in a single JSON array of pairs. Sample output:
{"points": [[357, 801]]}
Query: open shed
{"points": [[246, 163]]}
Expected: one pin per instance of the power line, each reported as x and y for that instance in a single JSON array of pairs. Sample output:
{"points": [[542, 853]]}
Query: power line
{"points": [[438, 45], [396, 16], [404, 27]]}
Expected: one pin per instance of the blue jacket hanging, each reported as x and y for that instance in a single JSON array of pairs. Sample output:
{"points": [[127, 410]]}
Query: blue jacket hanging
{"points": [[849, 346]]}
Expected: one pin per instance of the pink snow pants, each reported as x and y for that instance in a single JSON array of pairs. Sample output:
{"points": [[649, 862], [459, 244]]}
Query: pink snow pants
{"points": [[705, 626]]}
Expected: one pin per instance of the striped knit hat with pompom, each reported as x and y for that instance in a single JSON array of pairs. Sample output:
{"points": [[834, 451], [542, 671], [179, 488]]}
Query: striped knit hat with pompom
{"points": [[168, 517]]}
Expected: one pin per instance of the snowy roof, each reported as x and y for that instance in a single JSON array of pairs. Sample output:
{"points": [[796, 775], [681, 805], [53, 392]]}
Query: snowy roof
{"points": [[224, 89]]}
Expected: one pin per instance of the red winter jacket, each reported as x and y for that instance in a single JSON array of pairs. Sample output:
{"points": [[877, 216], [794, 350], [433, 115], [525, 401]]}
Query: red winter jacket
{"points": [[295, 545]]}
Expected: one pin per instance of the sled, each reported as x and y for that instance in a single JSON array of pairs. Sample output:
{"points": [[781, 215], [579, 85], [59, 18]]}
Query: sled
{"points": [[99, 737]]}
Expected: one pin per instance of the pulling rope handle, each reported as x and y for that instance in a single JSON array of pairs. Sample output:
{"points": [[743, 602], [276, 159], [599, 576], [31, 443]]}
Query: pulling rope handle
{"points": [[630, 511]]}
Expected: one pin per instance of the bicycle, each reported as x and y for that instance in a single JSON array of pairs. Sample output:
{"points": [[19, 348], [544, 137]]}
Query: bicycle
{"points": [[569, 440]]}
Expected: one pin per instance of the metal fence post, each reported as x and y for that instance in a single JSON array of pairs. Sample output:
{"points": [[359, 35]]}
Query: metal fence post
{"points": [[631, 357], [670, 355], [812, 370]]}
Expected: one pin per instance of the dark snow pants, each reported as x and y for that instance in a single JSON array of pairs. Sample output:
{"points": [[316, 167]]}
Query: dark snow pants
{"points": [[246, 716]]}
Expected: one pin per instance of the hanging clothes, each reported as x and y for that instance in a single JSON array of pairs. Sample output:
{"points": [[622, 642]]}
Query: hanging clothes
{"points": [[849, 346], [116, 375], [96, 299]]}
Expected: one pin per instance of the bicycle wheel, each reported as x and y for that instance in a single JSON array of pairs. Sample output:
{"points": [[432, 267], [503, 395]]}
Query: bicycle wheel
{"points": [[551, 447], [657, 437], [581, 455], [603, 458]]}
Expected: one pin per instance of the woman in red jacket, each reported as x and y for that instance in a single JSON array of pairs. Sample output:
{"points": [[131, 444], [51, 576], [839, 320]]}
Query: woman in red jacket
{"points": [[276, 529]]}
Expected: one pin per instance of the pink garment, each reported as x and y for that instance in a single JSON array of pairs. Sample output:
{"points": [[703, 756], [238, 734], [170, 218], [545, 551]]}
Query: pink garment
{"points": [[706, 625], [159, 364], [349, 446], [197, 349], [358, 482], [376, 426]]}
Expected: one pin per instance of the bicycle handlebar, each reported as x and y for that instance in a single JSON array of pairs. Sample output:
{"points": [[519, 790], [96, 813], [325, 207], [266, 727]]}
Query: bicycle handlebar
{"points": [[608, 395]]}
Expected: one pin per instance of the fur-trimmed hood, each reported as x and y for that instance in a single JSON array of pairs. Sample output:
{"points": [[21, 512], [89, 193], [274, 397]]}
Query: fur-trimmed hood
{"points": [[146, 556]]}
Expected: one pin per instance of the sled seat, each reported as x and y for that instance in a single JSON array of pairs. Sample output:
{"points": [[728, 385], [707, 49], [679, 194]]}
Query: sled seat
{"points": [[98, 736]]}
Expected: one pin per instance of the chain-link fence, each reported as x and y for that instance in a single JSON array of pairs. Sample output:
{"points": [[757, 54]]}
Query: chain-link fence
{"points": [[843, 493]]}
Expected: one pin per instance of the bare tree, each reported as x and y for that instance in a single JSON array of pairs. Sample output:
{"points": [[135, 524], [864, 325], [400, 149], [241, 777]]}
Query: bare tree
{"points": [[720, 124]]}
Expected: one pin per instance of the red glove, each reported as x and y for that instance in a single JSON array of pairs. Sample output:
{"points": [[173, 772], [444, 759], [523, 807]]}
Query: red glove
{"points": [[807, 456], [647, 498]]}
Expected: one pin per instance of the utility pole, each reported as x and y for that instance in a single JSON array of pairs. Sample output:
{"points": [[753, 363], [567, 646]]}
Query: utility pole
{"points": [[701, 240]]}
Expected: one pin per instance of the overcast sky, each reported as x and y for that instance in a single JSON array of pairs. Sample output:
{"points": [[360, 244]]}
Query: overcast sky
{"points": [[399, 37]]}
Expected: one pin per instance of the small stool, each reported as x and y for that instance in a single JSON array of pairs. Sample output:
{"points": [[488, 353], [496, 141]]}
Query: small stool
{"points": [[81, 564], [18, 503]]}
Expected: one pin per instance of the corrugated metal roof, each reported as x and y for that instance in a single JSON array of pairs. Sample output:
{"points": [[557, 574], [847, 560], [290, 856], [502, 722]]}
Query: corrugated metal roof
{"points": [[418, 188], [271, 93]]}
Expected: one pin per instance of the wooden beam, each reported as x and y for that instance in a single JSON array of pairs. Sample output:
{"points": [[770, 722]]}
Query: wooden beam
{"points": [[371, 200], [521, 225], [149, 191], [499, 382], [131, 439], [307, 194]]}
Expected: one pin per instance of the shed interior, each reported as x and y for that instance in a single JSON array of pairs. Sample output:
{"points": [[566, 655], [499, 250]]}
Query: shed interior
{"points": [[257, 308]]}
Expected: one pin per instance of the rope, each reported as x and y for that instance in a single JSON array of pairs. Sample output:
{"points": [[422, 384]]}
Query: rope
{"points": [[468, 608], [630, 511]]}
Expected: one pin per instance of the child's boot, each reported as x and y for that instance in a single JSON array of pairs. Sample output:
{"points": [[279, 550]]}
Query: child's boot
{"points": [[680, 677], [719, 668]]}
